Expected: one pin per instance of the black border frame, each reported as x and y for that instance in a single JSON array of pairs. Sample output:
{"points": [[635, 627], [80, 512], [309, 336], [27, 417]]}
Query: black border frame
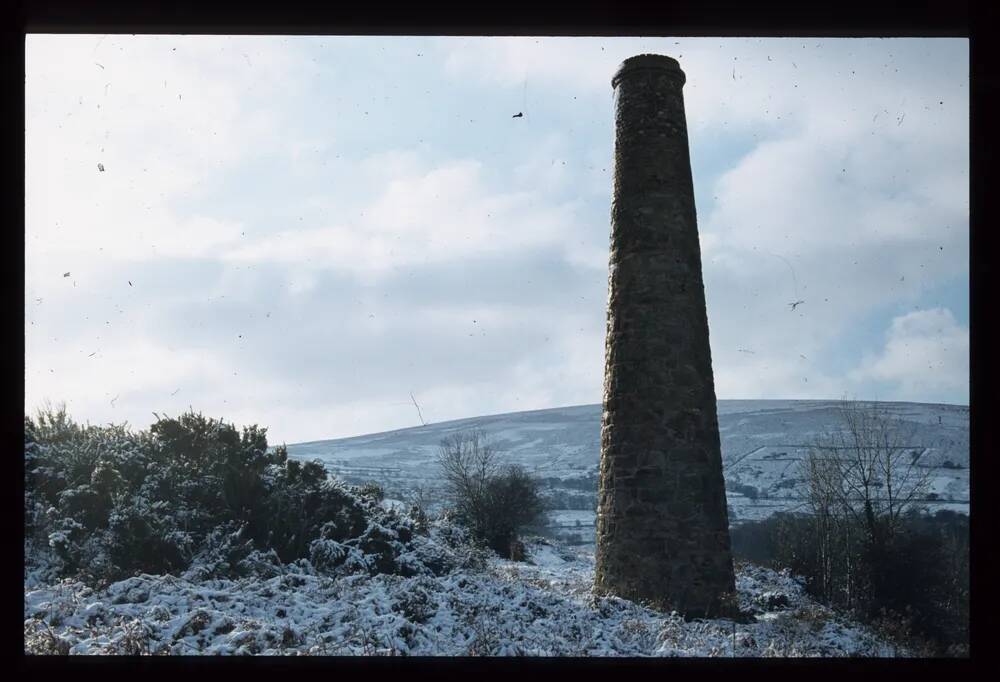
{"points": [[938, 18]]}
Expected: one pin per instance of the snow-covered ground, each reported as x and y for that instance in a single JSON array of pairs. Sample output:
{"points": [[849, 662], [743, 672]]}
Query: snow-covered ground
{"points": [[543, 607]]}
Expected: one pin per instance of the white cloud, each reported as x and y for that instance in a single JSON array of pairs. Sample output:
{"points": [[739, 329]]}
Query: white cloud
{"points": [[545, 169], [89, 377], [926, 353], [164, 116], [805, 194], [834, 208], [422, 216], [744, 82], [846, 224], [512, 61], [774, 376]]}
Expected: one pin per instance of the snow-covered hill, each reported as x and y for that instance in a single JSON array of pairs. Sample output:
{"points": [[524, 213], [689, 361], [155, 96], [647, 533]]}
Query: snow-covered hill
{"points": [[762, 440]]}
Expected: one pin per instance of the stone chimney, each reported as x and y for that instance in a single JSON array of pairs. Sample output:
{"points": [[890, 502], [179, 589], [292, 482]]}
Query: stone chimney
{"points": [[662, 524]]}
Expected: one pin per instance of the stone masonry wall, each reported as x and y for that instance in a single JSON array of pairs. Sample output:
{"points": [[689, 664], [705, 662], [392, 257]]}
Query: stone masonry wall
{"points": [[662, 526]]}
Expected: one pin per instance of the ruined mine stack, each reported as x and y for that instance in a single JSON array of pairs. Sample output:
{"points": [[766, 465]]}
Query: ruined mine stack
{"points": [[662, 525]]}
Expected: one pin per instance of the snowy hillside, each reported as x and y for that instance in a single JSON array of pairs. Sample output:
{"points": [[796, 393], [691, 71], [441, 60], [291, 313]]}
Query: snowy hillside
{"points": [[762, 440], [540, 608]]}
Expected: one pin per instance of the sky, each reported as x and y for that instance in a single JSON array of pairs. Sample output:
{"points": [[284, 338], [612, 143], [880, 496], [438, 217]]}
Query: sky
{"points": [[320, 234]]}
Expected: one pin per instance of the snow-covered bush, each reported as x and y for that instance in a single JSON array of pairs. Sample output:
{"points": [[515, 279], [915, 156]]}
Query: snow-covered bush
{"points": [[301, 505], [143, 535], [221, 554], [332, 557], [196, 496], [65, 541]]}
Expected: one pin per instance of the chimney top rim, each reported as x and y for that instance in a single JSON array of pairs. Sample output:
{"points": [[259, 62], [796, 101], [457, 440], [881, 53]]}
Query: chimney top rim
{"points": [[645, 62]]}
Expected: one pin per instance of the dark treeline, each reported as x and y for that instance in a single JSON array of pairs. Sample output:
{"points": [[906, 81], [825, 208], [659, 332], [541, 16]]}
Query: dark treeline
{"points": [[914, 588], [866, 545]]}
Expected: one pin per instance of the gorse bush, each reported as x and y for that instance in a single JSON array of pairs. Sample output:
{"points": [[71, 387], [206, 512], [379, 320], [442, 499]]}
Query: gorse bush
{"points": [[188, 492]]}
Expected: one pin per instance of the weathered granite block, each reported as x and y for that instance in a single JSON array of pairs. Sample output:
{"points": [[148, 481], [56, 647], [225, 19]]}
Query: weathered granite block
{"points": [[662, 526]]}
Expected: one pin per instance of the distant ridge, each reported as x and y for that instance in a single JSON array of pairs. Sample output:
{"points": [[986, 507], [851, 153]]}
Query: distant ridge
{"points": [[724, 406], [762, 444]]}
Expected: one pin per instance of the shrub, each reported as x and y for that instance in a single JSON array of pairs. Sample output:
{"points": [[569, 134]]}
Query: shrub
{"points": [[417, 604], [512, 503], [192, 494], [144, 536], [372, 491], [493, 501]]}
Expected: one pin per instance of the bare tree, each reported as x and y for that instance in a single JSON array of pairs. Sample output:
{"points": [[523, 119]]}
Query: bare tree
{"points": [[468, 461], [493, 500], [867, 470], [819, 474], [859, 482]]}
